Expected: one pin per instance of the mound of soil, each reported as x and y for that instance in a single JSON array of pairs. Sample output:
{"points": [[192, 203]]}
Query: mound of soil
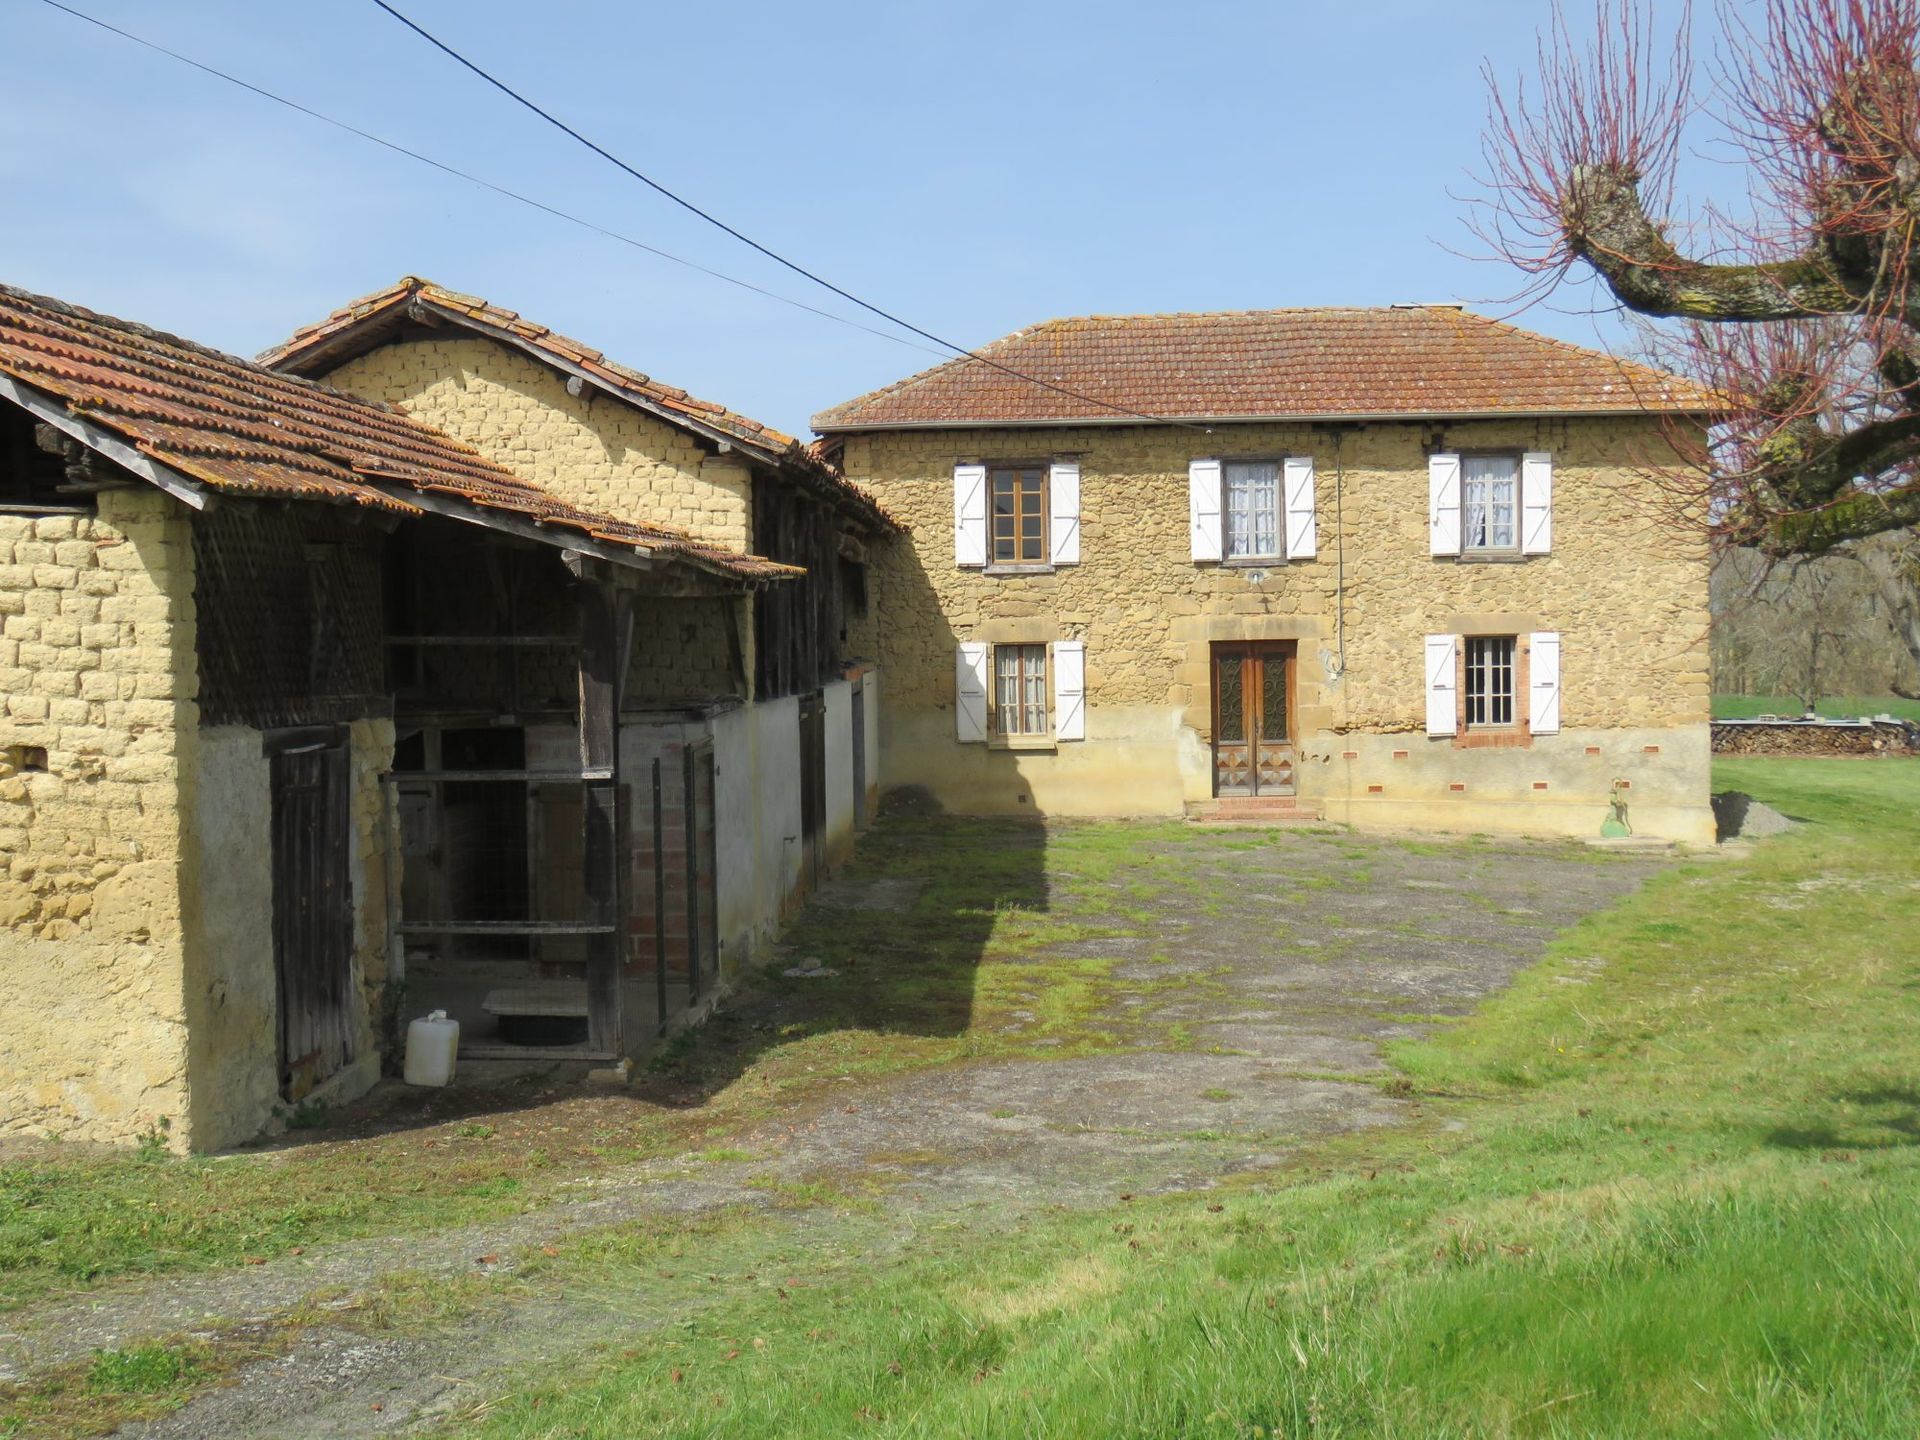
{"points": [[1738, 816]]}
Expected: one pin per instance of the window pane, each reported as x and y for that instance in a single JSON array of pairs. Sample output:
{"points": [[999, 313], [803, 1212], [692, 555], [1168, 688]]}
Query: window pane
{"points": [[1490, 697], [1490, 488], [1006, 689], [1035, 662], [1273, 697], [1252, 493], [1228, 686], [1020, 689]]}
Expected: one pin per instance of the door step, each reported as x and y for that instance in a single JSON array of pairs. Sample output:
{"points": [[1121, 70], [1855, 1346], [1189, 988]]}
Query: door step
{"points": [[1253, 810]]}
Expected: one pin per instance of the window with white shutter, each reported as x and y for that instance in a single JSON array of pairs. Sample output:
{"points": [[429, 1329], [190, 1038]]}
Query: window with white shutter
{"points": [[969, 515], [970, 692], [1069, 690], [1543, 682], [1063, 525], [1443, 503], [1443, 685], [1490, 506], [1203, 508]]}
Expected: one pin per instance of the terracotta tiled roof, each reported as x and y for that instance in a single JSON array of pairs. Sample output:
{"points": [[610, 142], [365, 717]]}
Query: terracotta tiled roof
{"points": [[1248, 364], [318, 348], [237, 427]]}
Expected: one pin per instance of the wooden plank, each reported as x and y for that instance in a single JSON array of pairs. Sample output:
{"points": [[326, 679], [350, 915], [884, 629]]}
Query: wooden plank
{"points": [[690, 835], [538, 777], [499, 1050], [503, 927], [659, 900], [491, 642], [605, 638], [55, 413]]}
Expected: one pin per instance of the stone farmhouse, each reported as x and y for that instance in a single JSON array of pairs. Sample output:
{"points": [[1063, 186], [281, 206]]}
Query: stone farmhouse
{"points": [[536, 704], [435, 660], [1383, 566]]}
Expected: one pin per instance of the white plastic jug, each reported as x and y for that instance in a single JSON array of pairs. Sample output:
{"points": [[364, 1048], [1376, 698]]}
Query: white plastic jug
{"points": [[432, 1043]]}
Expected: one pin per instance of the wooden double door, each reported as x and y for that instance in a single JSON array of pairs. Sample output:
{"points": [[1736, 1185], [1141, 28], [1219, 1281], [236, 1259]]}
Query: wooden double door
{"points": [[1253, 718]]}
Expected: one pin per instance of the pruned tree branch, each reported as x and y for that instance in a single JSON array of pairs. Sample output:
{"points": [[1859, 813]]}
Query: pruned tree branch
{"points": [[1806, 316], [1607, 226]]}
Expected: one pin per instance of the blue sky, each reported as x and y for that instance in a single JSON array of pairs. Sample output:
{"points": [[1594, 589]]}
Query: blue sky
{"points": [[975, 167]]}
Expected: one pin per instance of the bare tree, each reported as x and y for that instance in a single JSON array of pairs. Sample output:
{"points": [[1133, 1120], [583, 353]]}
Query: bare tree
{"points": [[1894, 569], [1803, 318]]}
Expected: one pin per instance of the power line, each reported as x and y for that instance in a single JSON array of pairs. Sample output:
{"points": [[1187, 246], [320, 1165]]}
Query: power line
{"points": [[473, 179], [960, 351]]}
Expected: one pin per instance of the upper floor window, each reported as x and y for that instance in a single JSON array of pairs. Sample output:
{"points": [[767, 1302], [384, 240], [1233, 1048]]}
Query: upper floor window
{"points": [[1251, 510], [1490, 506], [1019, 514], [1016, 516], [1490, 493], [1251, 489]]}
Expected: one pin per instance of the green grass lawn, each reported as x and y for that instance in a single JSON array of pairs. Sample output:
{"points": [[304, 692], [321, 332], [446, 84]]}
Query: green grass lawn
{"points": [[1839, 707], [1666, 1185]]}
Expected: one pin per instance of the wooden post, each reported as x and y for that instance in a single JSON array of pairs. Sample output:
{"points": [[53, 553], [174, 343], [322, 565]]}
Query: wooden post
{"points": [[659, 899], [690, 806], [606, 630]]}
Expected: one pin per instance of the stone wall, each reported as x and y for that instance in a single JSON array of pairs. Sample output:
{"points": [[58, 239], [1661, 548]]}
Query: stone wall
{"points": [[683, 649], [592, 450], [98, 673], [1627, 595]]}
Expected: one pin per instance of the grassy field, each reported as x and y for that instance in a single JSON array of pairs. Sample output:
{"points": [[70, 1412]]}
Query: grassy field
{"points": [[1840, 707], [1667, 1185]]}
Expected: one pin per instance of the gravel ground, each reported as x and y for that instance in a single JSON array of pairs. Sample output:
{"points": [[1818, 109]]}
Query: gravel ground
{"points": [[1253, 1007]]}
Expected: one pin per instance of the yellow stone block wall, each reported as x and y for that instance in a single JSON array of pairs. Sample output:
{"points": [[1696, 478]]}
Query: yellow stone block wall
{"points": [[97, 669], [1626, 592], [591, 450], [682, 649]]}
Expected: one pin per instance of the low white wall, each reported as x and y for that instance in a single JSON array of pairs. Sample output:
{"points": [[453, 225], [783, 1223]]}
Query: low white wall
{"points": [[233, 1046], [839, 738], [756, 752], [870, 684]]}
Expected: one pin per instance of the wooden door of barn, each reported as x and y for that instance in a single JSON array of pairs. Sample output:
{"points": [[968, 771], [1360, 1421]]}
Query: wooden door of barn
{"points": [[312, 914]]}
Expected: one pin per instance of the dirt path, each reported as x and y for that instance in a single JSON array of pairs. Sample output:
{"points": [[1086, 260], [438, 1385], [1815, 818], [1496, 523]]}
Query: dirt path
{"points": [[1248, 1006]]}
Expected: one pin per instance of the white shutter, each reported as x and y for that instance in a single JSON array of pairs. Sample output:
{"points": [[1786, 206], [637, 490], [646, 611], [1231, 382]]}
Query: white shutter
{"points": [[1069, 690], [1298, 470], [969, 515], [1063, 518], [1543, 683], [1443, 503], [1536, 503], [970, 692], [1203, 508], [1442, 684]]}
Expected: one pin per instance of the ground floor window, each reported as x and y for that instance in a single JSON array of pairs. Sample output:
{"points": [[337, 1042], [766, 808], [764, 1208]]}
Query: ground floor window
{"points": [[1490, 680], [1020, 690]]}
